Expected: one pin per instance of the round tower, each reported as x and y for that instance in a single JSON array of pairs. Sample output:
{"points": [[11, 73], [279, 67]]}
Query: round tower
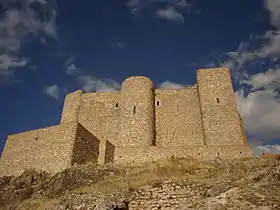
{"points": [[137, 115]]}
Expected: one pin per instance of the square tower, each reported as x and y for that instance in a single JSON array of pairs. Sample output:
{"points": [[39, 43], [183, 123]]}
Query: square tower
{"points": [[220, 117]]}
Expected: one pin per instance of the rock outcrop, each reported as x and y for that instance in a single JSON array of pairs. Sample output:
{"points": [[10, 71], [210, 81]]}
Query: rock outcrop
{"points": [[168, 184]]}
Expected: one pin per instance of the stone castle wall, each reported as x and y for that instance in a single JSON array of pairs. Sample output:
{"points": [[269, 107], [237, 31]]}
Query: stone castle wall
{"points": [[138, 123], [86, 147], [220, 118], [132, 155], [178, 118], [50, 149], [99, 113], [140, 115]]}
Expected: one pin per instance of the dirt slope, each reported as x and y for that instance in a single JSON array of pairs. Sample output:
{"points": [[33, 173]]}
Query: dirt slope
{"points": [[167, 184]]}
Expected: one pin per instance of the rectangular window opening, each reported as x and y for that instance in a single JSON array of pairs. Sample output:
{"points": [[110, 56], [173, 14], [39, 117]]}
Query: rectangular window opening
{"points": [[157, 103], [218, 100], [117, 105], [134, 109]]}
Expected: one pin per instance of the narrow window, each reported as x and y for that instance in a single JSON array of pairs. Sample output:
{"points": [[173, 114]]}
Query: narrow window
{"points": [[218, 100], [117, 105], [157, 103], [134, 109]]}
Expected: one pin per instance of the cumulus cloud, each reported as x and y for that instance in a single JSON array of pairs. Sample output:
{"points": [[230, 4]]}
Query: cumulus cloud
{"points": [[170, 85], [261, 113], [170, 13], [52, 91], [133, 3], [90, 83], [269, 79], [182, 3], [145, 3], [72, 69], [273, 6], [272, 149], [121, 45], [271, 42], [258, 95], [20, 22], [173, 10], [7, 62], [259, 104]]}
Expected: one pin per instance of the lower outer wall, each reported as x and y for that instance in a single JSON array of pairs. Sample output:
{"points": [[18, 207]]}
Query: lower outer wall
{"points": [[136, 155], [48, 149], [86, 148]]}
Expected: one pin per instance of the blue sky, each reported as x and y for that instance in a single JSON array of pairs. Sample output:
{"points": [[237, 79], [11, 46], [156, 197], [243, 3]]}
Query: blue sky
{"points": [[49, 48]]}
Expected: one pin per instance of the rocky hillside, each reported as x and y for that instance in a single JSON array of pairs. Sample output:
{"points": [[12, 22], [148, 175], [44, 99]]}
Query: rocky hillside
{"points": [[168, 184]]}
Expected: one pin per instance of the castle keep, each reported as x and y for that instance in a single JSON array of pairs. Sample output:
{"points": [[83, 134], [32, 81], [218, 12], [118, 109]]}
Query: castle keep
{"points": [[134, 125]]}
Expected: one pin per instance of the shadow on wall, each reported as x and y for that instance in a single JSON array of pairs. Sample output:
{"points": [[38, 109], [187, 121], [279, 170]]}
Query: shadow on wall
{"points": [[109, 152], [86, 147]]}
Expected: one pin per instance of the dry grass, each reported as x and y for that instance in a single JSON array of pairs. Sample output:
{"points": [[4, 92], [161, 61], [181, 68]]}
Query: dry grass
{"points": [[153, 172], [222, 174], [188, 170]]}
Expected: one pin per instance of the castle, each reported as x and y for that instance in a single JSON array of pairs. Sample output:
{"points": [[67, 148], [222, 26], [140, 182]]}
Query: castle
{"points": [[134, 125]]}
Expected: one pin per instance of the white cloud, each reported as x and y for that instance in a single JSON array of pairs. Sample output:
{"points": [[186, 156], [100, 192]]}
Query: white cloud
{"points": [[170, 85], [53, 91], [273, 37], [39, 1], [261, 113], [182, 3], [273, 6], [258, 98], [272, 149], [17, 24], [7, 62], [142, 4], [271, 46], [121, 45], [268, 80], [90, 83], [133, 3], [271, 42], [72, 69], [170, 13]]}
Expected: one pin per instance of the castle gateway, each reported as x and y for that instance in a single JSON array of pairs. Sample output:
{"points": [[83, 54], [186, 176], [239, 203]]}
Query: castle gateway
{"points": [[134, 125]]}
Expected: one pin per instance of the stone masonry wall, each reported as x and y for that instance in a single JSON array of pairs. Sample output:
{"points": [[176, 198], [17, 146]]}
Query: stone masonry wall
{"points": [[165, 196], [99, 114], [86, 147], [71, 107], [137, 112], [138, 123], [132, 155], [178, 118], [244, 139], [48, 149], [109, 153], [220, 118]]}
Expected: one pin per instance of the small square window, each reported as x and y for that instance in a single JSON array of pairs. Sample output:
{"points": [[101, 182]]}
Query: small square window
{"points": [[218, 100]]}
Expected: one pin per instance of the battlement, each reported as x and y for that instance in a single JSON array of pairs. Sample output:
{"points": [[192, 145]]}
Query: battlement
{"points": [[142, 123]]}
